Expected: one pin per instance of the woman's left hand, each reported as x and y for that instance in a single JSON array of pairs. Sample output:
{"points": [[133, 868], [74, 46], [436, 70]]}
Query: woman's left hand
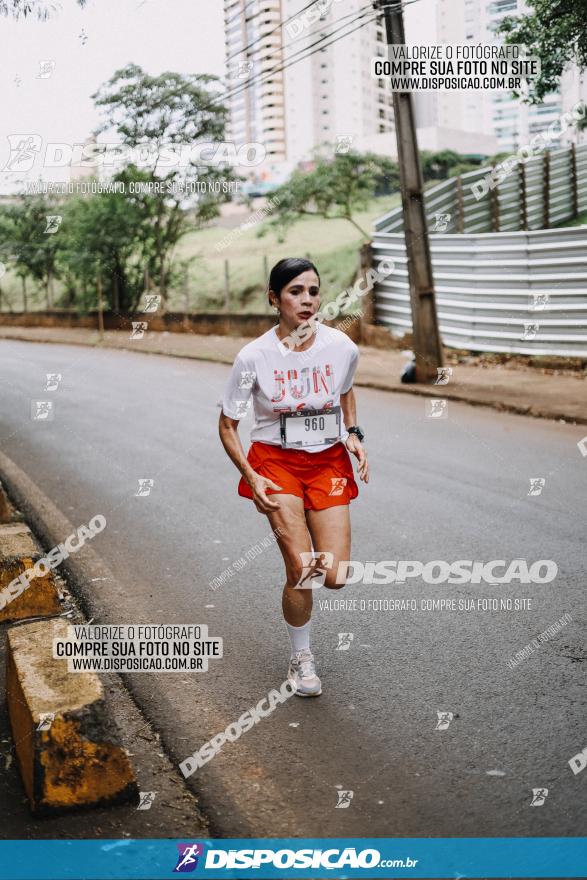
{"points": [[354, 445]]}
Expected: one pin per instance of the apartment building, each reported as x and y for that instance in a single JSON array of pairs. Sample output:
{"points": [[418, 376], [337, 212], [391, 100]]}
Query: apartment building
{"points": [[257, 113], [326, 96], [331, 95]]}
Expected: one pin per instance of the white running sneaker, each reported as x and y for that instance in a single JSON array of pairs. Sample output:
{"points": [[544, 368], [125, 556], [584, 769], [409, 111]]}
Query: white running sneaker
{"points": [[302, 673]]}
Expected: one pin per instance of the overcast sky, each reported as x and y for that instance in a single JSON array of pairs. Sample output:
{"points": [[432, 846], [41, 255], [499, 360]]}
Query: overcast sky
{"points": [[87, 46]]}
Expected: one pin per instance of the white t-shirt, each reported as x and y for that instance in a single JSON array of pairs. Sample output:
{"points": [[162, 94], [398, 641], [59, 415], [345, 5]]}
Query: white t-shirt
{"points": [[279, 380]]}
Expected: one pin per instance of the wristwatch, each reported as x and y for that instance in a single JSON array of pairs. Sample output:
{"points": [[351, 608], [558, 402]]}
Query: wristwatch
{"points": [[355, 429]]}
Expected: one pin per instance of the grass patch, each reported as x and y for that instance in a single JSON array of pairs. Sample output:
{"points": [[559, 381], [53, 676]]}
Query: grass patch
{"points": [[332, 244]]}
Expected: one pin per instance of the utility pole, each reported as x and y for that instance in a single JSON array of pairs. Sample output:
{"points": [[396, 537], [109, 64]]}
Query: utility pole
{"points": [[426, 338]]}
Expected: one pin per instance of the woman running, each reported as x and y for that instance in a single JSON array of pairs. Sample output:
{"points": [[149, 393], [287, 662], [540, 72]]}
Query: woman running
{"points": [[299, 375]]}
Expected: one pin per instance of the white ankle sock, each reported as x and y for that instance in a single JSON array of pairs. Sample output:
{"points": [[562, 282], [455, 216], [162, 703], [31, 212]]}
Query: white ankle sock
{"points": [[299, 637]]}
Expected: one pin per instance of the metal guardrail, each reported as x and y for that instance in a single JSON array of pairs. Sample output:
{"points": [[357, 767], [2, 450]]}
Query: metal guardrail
{"points": [[523, 292]]}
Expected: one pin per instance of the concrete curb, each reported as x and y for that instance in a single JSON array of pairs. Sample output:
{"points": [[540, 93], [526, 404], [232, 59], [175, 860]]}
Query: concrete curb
{"points": [[78, 761], [75, 759], [19, 552], [176, 804]]}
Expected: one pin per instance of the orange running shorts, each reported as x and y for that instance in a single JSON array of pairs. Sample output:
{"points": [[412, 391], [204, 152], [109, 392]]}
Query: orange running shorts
{"points": [[322, 479]]}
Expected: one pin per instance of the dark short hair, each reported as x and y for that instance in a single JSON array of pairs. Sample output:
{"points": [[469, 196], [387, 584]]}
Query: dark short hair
{"points": [[286, 270]]}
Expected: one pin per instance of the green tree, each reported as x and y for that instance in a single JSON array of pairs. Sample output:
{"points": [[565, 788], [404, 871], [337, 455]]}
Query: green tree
{"points": [[436, 165], [556, 32], [154, 112], [337, 188], [28, 244], [445, 163], [105, 234]]}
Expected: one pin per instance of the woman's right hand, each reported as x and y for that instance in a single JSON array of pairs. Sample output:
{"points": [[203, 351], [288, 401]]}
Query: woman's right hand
{"points": [[259, 486]]}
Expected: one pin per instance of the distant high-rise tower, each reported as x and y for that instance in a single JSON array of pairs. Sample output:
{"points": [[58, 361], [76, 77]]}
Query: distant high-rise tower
{"points": [[257, 113], [313, 100], [331, 95]]}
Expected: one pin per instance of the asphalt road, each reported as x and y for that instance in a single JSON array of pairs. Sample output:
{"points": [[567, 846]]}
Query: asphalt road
{"points": [[441, 489]]}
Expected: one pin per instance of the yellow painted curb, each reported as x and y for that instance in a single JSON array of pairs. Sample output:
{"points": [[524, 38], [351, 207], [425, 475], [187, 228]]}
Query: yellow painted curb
{"points": [[78, 759], [19, 552]]}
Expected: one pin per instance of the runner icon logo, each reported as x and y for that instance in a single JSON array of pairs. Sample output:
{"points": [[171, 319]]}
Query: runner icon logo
{"points": [[53, 380], [247, 379], [45, 720], [338, 485], [146, 799], [138, 329], [152, 302], [538, 301], [344, 641], [537, 484], [242, 408], [442, 221], [539, 795], [444, 719], [42, 410], [187, 860], [444, 374], [343, 143], [530, 331], [53, 223], [315, 565], [437, 408], [145, 486], [344, 799]]}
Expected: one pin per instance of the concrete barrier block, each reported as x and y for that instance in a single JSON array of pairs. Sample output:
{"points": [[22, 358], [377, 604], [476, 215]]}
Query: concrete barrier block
{"points": [[78, 760], [19, 552]]}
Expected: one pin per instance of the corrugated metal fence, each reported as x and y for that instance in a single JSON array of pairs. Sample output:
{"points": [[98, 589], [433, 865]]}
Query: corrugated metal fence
{"points": [[507, 290]]}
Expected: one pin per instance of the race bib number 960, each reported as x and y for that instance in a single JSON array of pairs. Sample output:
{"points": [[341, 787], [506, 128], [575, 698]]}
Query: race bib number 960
{"points": [[313, 427]]}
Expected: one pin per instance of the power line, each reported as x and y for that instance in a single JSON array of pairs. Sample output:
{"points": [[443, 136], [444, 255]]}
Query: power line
{"points": [[264, 36], [302, 36], [265, 75], [362, 12], [237, 14], [299, 13], [271, 71]]}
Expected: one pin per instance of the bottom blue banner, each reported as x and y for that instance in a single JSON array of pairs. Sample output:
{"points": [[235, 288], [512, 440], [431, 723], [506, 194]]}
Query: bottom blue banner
{"points": [[287, 858]]}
